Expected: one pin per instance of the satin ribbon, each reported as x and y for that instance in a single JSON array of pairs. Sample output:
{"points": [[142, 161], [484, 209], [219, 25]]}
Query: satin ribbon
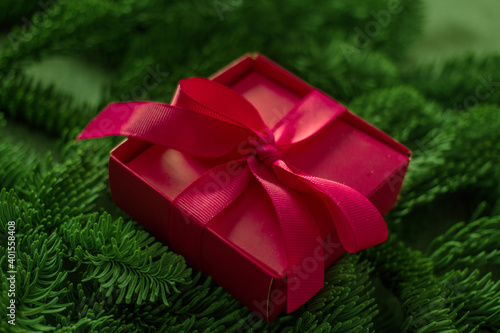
{"points": [[207, 119]]}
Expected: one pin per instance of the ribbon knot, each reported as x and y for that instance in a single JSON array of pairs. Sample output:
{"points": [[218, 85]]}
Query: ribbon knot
{"points": [[267, 153], [264, 149], [210, 120]]}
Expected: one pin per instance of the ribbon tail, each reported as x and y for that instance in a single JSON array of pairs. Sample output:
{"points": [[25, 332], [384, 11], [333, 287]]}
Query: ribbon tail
{"points": [[111, 121], [304, 246], [358, 222], [181, 129]]}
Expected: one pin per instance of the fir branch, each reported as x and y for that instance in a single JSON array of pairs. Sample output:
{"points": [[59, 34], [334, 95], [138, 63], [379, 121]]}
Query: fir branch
{"points": [[16, 160], [318, 45], [14, 209], [41, 106], [460, 83], [67, 27], [411, 277], [124, 260], [91, 312], [345, 304], [69, 189], [441, 167], [40, 282], [4, 287], [480, 296], [401, 111], [207, 305], [349, 75], [471, 245]]}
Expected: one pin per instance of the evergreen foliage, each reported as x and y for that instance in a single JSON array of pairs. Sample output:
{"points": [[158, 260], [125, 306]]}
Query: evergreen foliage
{"points": [[84, 266]]}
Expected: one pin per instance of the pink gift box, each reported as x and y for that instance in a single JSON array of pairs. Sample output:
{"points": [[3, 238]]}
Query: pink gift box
{"points": [[242, 248]]}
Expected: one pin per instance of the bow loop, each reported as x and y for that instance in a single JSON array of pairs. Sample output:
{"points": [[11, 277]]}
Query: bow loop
{"points": [[358, 223], [217, 101]]}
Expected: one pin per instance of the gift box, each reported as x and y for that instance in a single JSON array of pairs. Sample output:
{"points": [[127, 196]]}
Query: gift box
{"points": [[258, 179]]}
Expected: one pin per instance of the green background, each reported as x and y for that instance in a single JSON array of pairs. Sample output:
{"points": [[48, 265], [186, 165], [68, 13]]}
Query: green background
{"points": [[437, 272]]}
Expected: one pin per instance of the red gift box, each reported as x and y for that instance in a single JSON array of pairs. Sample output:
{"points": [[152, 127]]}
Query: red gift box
{"points": [[242, 227]]}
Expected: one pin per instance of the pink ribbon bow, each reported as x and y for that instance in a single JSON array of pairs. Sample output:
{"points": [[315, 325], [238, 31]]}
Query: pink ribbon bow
{"points": [[210, 120]]}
